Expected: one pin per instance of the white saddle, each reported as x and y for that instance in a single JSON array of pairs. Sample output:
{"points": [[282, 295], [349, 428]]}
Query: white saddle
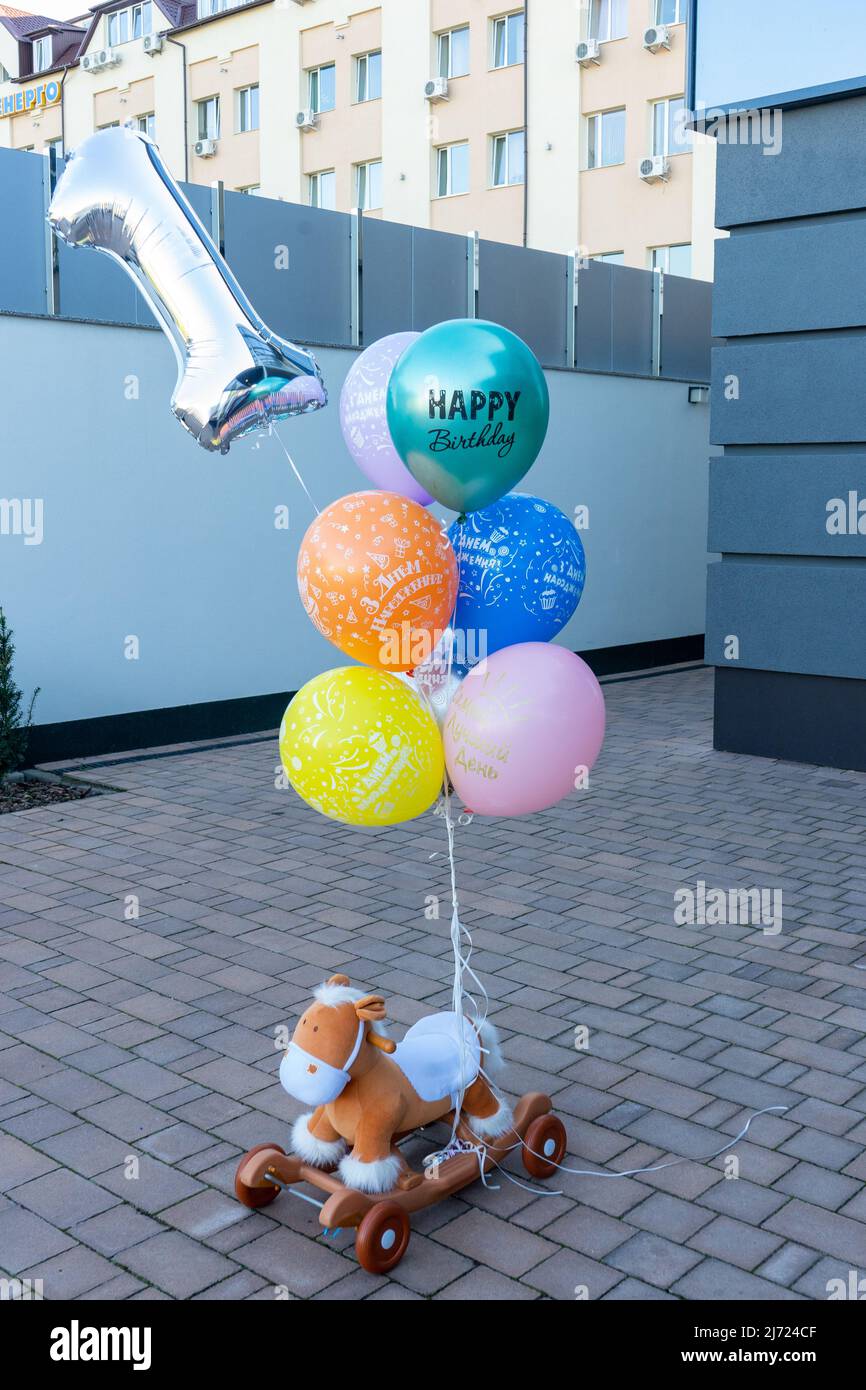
{"points": [[432, 1059]]}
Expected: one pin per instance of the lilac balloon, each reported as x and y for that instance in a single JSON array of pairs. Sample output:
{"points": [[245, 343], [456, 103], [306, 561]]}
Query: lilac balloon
{"points": [[364, 420], [523, 729]]}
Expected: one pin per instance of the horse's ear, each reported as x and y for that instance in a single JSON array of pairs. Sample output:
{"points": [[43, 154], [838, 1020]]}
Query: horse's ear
{"points": [[371, 1008], [338, 980]]}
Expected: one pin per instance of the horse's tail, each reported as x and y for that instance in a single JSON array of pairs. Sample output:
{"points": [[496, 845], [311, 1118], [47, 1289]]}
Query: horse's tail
{"points": [[492, 1060]]}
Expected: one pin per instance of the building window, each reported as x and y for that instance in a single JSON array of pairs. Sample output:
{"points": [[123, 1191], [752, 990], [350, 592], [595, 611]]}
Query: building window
{"points": [[208, 7], [608, 19], [56, 145], [453, 52], [368, 77], [254, 190], [4, 75], [508, 40], [670, 11], [509, 158], [452, 170], [133, 23], [605, 142], [323, 88], [109, 125], [368, 185], [42, 54], [248, 109], [209, 118], [146, 124], [673, 260], [322, 189], [669, 130], [610, 257]]}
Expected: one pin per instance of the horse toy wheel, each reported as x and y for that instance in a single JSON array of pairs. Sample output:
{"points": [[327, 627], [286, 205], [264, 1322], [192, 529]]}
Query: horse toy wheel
{"points": [[382, 1237], [256, 1196], [544, 1146]]}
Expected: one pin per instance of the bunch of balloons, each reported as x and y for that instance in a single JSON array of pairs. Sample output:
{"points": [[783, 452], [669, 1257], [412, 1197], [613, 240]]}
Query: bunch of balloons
{"points": [[453, 625], [456, 415]]}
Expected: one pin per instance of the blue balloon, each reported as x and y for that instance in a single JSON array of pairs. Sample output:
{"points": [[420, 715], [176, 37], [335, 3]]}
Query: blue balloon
{"points": [[522, 570]]}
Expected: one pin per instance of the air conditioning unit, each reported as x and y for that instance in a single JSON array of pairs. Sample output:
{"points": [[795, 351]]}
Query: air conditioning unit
{"points": [[436, 89], [154, 43], [656, 168], [588, 52], [307, 119], [99, 59], [205, 149], [656, 37]]}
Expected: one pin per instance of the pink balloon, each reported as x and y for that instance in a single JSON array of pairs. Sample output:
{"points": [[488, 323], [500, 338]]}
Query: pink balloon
{"points": [[522, 728], [364, 421]]}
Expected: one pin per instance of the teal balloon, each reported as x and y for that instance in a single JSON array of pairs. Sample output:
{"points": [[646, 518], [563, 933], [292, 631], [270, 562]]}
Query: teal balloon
{"points": [[467, 411]]}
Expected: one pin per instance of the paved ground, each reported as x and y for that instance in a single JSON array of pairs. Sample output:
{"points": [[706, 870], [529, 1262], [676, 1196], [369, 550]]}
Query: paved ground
{"points": [[137, 1058]]}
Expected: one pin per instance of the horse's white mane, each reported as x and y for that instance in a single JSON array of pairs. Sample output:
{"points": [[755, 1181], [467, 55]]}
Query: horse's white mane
{"points": [[332, 995]]}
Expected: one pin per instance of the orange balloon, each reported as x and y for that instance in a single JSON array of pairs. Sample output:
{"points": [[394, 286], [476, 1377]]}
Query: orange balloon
{"points": [[378, 577]]}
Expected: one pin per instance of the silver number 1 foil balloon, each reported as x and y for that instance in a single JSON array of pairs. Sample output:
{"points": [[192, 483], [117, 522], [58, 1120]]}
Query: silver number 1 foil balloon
{"points": [[234, 374]]}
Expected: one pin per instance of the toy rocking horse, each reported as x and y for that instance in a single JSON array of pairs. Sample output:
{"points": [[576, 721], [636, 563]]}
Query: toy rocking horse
{"points": [[369, 1092]]}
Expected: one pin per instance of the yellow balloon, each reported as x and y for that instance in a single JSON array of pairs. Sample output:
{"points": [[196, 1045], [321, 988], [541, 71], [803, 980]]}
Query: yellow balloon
{"points": [[360, 747]]}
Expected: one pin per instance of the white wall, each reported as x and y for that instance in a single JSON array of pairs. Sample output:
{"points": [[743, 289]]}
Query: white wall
{"points": [[146, 535]]}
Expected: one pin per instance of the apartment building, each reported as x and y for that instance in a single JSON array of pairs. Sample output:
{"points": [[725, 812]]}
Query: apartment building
{"points": [[552, 123]]}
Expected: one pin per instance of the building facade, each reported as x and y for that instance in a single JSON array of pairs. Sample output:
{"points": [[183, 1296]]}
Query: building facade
{"points": [[462, 115]]}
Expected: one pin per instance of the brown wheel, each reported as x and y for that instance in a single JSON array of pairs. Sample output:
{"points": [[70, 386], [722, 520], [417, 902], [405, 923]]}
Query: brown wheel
{"points": [[256, 1196], [544, 1145], [382, 1237]]}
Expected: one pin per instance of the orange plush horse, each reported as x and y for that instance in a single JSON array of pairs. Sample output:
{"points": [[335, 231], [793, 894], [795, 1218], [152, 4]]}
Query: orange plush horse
{"points": [[366, 1088]]}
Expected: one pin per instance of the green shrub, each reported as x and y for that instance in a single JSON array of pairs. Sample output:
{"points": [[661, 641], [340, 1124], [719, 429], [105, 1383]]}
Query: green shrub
{"points": [[14, 723]]}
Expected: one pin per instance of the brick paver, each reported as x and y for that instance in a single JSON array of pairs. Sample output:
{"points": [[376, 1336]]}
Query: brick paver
{"points": [[152, 941]]}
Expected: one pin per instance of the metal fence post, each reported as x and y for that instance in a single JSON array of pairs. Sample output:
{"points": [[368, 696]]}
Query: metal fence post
{"points": [[218, 215], [356, 267], [52, 269], [571, 273], [473, 261], [658, 292]]}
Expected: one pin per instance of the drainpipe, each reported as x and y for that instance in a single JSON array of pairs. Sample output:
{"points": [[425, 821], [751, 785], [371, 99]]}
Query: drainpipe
{"points": [[182, 47], [525, 122]]}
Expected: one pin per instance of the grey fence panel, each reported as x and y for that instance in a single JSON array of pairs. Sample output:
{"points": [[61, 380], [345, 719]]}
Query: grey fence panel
{"points": [[92, 286], [631, 309], [22, 239], [439, 277], [199, 198], [594, 332], [386, 278], [309, 299], [526, 291], [686, 328]]}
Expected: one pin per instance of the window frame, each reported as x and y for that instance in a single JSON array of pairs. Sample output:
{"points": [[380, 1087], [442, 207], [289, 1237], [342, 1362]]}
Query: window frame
{"points": [[506, 136], [609, 257], [146, 116], [142, 8], [362, 63], [240, 93], [449, 35], [666, 267], [316, 73], [314, 180], [599, 142], [593, 12], [681, 9], [447, 151], [43, 44], [204, 102], [365, 166], [670, 151], [495, 22]]}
